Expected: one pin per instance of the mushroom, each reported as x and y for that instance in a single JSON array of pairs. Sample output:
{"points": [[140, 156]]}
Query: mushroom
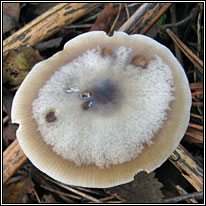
{"points": [[103, 109]]}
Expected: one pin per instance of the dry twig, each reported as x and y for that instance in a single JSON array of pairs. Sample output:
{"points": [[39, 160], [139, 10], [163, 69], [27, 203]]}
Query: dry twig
{"points": [[196, 126], [69, 196], [5, 119], [74, 190], [196, 116], [193, 58], [199, 45], [196, 195], [181, 191], [127, 10], [115, 21], [36, 195]]}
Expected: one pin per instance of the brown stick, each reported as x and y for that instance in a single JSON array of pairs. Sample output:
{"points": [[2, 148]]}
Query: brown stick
{"points": [[48, 24], [60, 193], [192, 57], [197, 93], [6, 119], [13, 158], [196, 126], [37, 197], [142, 20], [86, 190], [195, 86], [115, 21], [196, 116], [194, 138], [188, 166], [195, 133]]}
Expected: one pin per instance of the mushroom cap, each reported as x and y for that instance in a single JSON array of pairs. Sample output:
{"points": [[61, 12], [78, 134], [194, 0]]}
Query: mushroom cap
{"points": [[151, 156]]}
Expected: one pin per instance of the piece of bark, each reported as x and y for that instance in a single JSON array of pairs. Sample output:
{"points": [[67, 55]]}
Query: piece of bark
{"points": [[48, 24], [189, 167], [13, 158]]}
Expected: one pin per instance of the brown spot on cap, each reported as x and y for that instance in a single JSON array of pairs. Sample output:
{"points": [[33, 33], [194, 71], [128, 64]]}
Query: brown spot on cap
{"points": [[86, 105], [107, 51], [50, 117], [85, 95], [140, 61]]}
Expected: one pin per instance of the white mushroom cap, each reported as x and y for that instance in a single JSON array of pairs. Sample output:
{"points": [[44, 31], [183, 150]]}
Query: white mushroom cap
{"points": [[107, 144]]}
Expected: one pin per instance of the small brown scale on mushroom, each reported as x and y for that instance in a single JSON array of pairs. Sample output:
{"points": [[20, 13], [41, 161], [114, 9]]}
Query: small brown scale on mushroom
{"points": [[50, 116], [140, 61], [86, 105], [107, 93], [106, 52], [85, 95]]}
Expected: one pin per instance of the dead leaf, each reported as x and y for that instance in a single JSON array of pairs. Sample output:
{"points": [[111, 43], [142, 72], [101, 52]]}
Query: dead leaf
{"points": [[17, 64], [17, 192], [144, 189], [11, 13], [9, 132], [103, 21]]}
